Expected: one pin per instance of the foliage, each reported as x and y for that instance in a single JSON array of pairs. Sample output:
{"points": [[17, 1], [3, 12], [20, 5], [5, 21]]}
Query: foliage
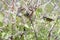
{"points": [[32, 27]]}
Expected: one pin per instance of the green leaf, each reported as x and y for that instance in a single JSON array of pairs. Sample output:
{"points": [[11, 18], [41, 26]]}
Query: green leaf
{"points": [[54, 1], [1, 24], [5, 6], [17, 38], [1, 5], [49, 7], [1, 17], [38, 10]]}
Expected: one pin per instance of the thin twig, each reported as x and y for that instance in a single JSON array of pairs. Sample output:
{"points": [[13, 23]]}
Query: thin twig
{"points": [[51, 29]]}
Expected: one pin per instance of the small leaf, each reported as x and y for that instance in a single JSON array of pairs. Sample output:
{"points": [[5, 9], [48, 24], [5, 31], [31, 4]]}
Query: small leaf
{"points": [[1, 17], [38, 10], [1, 24], [5, 6], [49, 7]]}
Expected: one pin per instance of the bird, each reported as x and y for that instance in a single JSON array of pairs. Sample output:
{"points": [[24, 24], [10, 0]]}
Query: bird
{"points": [[47, 18]]}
